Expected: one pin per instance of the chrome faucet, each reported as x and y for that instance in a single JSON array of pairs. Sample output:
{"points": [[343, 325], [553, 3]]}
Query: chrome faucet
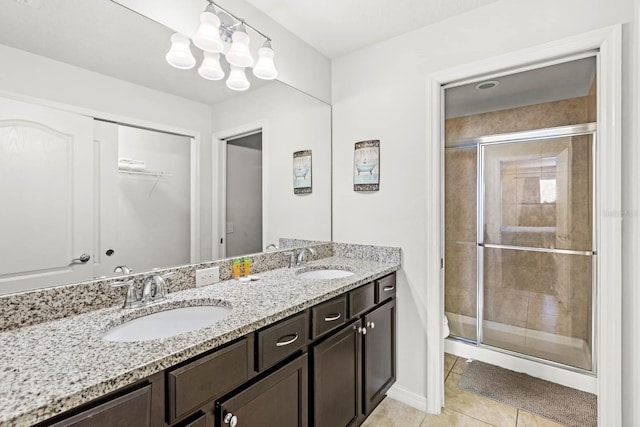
{"points": [[302, 255], [154, 289], [272, 246]]}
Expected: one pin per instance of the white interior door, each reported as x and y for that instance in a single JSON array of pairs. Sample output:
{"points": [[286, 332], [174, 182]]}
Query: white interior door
{"points": [[46, 191]]}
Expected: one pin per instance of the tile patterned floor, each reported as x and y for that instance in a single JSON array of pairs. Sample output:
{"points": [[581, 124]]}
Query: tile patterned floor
{"points": [[463, 409]]}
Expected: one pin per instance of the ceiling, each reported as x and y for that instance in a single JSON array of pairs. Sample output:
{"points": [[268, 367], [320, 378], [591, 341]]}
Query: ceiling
{"points": [[336, 27], [554, 83], [105, 37]]}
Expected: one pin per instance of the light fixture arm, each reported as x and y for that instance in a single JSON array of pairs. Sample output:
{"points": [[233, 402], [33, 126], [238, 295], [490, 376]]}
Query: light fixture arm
{"points": [[240, 20]]}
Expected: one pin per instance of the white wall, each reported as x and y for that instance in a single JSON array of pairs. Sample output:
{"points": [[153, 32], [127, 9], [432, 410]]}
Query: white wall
{"points": [[379, 93], [293, 121], [30, 75], [631, 221]]}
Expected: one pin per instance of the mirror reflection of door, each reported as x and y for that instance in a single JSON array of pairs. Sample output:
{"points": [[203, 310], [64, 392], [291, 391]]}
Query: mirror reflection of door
{"points": [[46, 188], [243, 231]]}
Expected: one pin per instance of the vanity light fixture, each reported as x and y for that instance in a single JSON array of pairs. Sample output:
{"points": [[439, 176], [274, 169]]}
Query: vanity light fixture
{"points": [[222, 33]]}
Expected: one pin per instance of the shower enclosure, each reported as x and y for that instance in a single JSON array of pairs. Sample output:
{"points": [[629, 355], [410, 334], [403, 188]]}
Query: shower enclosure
{"points": [[519, 235]]}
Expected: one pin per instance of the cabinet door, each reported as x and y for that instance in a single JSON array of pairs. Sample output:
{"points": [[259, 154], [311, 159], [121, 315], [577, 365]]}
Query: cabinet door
{"points": [[379, 354], [337, 377], [279, 400]]}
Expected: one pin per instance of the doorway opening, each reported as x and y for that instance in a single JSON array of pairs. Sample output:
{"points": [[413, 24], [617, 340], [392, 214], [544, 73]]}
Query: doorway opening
{"points": [[518, 214], [243, 214]]}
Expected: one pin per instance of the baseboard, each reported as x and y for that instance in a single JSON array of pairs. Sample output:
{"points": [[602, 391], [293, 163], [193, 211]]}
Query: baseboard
{"points": [[407, 397]]}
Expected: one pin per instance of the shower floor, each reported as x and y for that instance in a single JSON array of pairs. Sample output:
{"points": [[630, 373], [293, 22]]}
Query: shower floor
{"points": [[557, 348]]}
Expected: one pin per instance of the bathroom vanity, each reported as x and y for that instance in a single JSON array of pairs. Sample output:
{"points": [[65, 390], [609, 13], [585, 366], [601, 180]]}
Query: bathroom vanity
{"points": [[293, 352]]}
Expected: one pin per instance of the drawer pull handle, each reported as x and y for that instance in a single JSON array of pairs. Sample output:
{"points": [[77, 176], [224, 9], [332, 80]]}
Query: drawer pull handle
{"points": [[388, 288], [287, 341], [332, 317]]}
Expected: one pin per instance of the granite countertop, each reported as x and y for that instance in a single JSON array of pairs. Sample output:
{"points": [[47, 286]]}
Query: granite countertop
{"points": [[49, 368]]}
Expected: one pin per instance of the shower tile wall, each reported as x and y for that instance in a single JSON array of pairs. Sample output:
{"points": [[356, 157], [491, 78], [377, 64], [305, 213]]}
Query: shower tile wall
{"points": [[460, 238], [536, 291], [539, 116]]}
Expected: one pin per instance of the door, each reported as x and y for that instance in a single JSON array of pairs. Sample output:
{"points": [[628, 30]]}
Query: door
{"points": [[379, 354], [46, 188], [536, 248], [336, 378], [244, 195], [279, 400]]}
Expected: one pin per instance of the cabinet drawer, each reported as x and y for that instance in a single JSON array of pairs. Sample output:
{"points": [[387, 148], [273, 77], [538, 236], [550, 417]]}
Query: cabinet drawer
{"points": [[200, 421], [281, 340], [130, 410], [207, 378], [328, 315], [361, 299], [385, 288]]}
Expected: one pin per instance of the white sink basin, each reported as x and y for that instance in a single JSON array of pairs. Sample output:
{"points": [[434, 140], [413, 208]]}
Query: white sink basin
{"points": [[167, 323], [325, 274]]}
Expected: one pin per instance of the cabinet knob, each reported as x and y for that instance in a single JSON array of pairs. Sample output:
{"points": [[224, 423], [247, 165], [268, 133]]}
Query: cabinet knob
{"points": [[371, 325], [231, 419], [362, 330]]}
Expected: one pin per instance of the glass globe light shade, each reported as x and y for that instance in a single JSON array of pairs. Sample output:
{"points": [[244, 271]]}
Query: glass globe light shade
{"points": [[210, 68], [180, 55], [265, 69], [208, 36], [239, 54], [237, 79]]}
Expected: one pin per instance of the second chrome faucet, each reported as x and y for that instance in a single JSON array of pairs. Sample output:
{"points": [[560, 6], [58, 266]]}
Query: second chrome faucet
{"points": [[301, 259], [154, 289]]}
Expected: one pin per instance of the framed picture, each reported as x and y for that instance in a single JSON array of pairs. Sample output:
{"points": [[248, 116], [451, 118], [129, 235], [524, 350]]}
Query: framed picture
{"points": [[302, 172], [366, 166]]}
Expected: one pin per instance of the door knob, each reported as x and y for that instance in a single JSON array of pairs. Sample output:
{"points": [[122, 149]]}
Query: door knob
{"points": [[231, 419], [81, 259], [371, 325]]}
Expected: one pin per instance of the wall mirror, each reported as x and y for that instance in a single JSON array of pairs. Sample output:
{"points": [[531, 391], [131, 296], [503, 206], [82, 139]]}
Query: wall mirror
{"points": [[109, 157]]}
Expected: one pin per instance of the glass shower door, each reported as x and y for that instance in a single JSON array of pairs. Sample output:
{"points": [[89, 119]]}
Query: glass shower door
{"points": [[535, 248]]}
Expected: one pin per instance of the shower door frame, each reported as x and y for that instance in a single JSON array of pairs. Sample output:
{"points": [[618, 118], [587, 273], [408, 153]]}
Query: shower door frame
{"points": [[608, 42], [528, 136]]}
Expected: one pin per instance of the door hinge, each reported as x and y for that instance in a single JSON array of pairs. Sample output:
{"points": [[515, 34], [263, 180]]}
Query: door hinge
{"points": [[441, 263], [221, 240]]}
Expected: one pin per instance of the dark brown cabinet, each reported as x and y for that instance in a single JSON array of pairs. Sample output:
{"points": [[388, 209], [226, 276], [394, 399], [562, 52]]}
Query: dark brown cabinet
{"points": [[278, 400], [337, 373], [354, 368], [327, 366], [379, 354]]}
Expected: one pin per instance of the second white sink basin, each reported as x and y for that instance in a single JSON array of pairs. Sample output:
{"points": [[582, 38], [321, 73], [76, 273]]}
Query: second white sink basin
{"points": [[168, 323], [325, 274]]}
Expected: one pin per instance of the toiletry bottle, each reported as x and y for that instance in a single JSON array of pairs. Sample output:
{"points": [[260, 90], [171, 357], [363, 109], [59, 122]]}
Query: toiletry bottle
{"points": [[247, 267], [236, 268]]}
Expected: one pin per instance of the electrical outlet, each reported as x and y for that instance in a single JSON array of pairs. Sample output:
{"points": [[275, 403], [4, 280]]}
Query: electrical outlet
{"points": [[207, 276]]}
